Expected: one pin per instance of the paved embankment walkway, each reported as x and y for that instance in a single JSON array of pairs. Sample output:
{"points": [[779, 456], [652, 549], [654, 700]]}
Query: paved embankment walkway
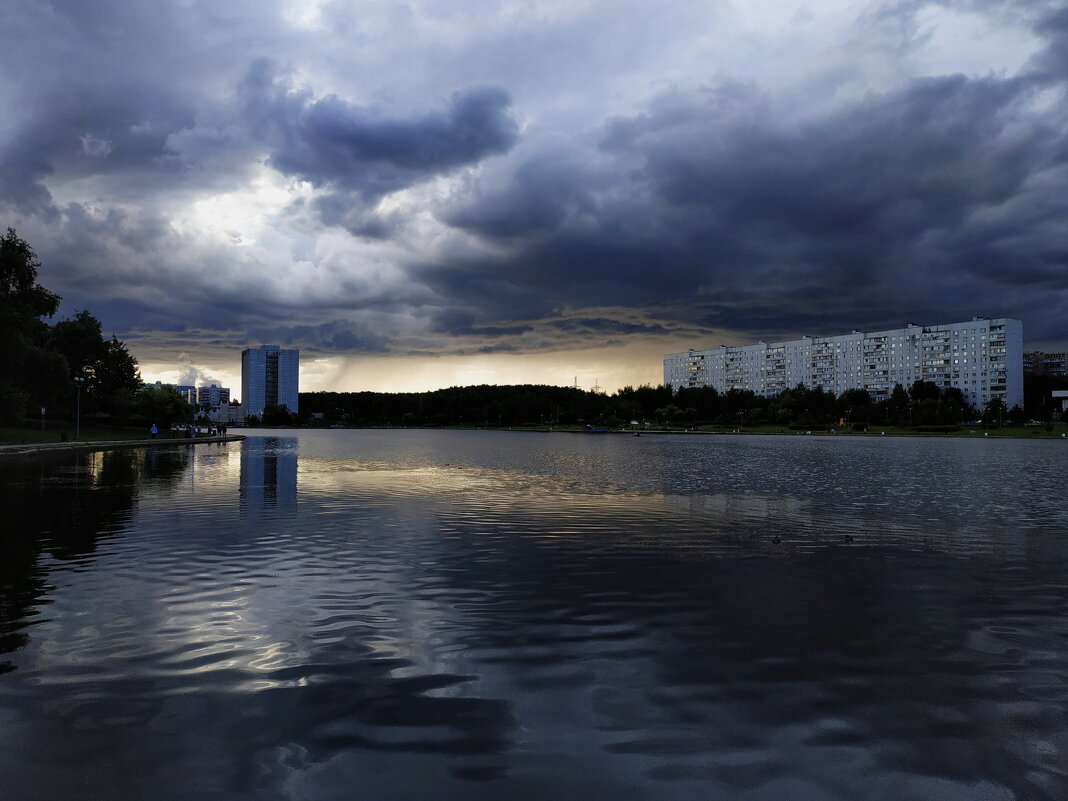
{"points": [[107, 445]]}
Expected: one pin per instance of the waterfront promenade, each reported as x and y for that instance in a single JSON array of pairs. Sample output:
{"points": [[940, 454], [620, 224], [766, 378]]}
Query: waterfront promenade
{"points": [[107, 445]]}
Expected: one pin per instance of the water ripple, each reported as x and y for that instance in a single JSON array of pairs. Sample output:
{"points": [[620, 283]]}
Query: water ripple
{"points": [[493, 615]]}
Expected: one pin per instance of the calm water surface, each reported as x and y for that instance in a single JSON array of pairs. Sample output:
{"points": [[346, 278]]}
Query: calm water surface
{"points": [[489, 615]]}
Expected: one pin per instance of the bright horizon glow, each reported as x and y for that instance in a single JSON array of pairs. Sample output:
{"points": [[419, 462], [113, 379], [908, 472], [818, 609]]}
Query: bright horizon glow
{"points": [[607, 368]]}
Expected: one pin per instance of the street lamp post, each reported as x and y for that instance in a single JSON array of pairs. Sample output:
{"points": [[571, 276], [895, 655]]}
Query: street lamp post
{"points": [[78, 381]]}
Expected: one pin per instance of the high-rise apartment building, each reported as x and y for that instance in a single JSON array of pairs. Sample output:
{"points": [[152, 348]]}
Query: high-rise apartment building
{"points": [[982, 358], [269, 377], [213, 396]]}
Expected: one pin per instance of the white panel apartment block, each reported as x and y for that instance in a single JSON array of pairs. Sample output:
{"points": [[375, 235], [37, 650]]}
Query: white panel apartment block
{"points": [[213, 395], [982, 358]]}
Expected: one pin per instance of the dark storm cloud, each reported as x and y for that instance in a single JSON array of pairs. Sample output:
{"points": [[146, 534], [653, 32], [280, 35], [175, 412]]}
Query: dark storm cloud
{"points": [[118, 134], [1054, 59], [601, 325], [332, 143], [545, 191], [943, 196], [336, 336]]}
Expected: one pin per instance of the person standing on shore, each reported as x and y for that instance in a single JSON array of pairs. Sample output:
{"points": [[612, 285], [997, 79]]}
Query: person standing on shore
{"points": [[153, 431]]}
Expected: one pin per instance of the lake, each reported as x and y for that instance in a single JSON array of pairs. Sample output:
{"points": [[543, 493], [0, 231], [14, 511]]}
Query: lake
{"points": [[502, 615]]}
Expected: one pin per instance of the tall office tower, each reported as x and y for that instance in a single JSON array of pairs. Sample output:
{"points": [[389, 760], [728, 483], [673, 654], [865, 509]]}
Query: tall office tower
{"points": [[982, 358], [269, 377]]}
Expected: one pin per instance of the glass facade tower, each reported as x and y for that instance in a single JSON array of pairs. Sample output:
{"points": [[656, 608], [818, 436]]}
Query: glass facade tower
{"points": [[269, 377]]}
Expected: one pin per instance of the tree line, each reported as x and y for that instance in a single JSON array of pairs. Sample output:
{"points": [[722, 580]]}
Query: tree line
{"points": [[924, 405], [49, 368]]}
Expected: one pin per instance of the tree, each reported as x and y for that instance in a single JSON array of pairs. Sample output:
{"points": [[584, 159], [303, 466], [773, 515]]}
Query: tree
{"points": [[276, 415], [994, 411], [924, 390], [119, 378], [32, 374], [109, 371], [854, 404], [161, 405]]}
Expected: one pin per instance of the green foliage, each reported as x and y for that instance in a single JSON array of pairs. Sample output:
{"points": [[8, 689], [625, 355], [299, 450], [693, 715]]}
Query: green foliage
{"points": [[160, 405], [38, 363], [118, 378], [924, 390], [800, 408], [523, 405], [277, 415], [994, 412], [854, 404], [109, 371], [32, 375], [19, 291]]}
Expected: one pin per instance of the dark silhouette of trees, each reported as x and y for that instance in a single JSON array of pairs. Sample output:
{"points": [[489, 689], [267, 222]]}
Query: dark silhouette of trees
{"points": [[33, 374], [38, 362], [109, 371], [538, 405], [994, 412], [1038, 398], [275, 415], [160, 405]]}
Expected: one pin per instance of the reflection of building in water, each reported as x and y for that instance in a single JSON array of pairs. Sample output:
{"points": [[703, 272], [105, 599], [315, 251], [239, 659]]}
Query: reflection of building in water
{"points": [[268, 476]]}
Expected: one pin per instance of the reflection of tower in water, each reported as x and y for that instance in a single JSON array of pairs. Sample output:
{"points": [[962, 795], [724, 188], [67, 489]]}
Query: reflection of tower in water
{"points": [[268, 475]]}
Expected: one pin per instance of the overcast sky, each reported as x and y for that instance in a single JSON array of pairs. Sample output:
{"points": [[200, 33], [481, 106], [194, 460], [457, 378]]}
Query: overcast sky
{"points": [[426, 194]]}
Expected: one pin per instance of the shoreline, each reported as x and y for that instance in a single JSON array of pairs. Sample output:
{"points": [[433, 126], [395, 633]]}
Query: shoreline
{"points": [[37, 448], [815, 432]]}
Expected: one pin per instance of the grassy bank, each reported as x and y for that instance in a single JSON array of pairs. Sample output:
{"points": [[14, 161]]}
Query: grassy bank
{"points": [[89, 433]]}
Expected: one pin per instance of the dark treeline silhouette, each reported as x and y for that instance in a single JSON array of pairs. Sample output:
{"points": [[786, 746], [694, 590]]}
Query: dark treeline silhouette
{"points": [[53, 371], [923, 405], [1039, 403]]}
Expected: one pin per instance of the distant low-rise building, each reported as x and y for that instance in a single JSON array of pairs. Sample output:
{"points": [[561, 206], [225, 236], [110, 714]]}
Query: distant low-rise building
{"points": [[1046, 363], [213, 396], [983, 358]]}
